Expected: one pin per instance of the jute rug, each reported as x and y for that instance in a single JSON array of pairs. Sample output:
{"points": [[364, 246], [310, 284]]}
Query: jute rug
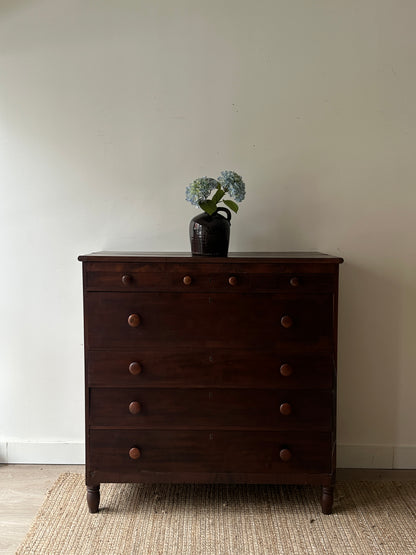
{"points": [[369, 517]]}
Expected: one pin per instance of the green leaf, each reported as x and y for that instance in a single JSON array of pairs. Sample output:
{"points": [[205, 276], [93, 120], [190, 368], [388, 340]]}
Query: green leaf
{"points": [[208, 206], [218, 195], [232, 205]]}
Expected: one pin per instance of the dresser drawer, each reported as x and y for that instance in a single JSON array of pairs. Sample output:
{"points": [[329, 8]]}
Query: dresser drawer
{"points": [[191, 452], [209, 367], [210, 320], [193, 277], [211, 408]]}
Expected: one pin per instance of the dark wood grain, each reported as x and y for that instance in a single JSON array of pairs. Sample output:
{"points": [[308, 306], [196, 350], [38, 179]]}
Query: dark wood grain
{"points": [[208, 451], [204, 277], [265, 409], [204, 367], [185, 257], [195, 319], [210, 369]]}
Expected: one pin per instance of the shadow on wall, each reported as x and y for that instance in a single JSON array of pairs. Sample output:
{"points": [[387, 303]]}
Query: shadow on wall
{"points": [[368, 356]]}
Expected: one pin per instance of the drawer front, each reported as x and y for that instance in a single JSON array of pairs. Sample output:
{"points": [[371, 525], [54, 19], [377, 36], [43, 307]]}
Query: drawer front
{"points": [[209, 320], [211, 408], [194, 452], [296, 278], [209, 367]]}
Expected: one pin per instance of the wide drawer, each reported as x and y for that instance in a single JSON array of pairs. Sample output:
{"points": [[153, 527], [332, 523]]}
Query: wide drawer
{"points": [[209, 320], [209, 367], [212, 408], [191, 453], [210, 277]]}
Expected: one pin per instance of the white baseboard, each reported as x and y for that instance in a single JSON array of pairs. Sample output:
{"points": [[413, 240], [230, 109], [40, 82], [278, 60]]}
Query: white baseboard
{"points": [[3, 452], [376, 456], [348, 456], [42, 453], [404, 456]]}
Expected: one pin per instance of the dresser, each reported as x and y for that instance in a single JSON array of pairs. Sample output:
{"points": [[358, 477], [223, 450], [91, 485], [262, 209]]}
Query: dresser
{"points": [[210, 370]]}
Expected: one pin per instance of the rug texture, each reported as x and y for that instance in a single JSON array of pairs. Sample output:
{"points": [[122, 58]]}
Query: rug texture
{"points": [[163, 519]]}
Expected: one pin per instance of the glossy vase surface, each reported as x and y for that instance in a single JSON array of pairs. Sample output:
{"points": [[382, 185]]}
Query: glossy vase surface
{"points": [[210, 235]]}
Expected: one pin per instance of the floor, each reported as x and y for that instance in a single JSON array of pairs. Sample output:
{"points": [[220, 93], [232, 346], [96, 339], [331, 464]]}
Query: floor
{"points": [[23, 488], [22, 491]]}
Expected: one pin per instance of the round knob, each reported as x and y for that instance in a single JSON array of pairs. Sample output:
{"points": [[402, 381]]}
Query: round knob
{"points": [[135, 368], [187, 280], [134, 453], [133, 320], [126, 279], [134, 407], [286, 321], [285, 455], [232, 280], [286, 369], [285, 409], [294, 282]]}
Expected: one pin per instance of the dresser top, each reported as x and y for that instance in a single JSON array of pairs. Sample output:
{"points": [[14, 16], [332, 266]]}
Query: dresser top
{"points": [[279, 257]]}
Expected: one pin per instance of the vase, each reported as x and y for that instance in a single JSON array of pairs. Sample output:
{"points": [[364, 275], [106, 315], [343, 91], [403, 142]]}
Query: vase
{"points": [[210, 235]]}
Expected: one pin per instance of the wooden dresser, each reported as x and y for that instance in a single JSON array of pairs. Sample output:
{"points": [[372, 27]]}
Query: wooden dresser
{"points": [[210, 369]]}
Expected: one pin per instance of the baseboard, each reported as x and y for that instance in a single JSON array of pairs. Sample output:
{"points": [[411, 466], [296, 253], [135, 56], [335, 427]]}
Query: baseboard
{"points": [[404, 456], [376, 456], [348, 456], [42, 453], [3, 452]]}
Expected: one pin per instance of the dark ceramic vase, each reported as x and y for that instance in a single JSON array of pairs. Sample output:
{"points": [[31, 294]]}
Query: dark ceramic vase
{"points": [[210, 235]]}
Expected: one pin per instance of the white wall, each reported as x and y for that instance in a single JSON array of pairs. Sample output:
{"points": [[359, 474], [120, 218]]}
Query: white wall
{"points": [[109, 109]]}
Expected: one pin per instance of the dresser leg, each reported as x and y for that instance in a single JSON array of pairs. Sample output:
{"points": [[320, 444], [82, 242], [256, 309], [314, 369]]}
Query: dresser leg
{"points": [[93, 498], [327, 499]]}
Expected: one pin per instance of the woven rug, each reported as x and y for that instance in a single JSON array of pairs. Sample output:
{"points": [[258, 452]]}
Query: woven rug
{"points": [[163, 519]]}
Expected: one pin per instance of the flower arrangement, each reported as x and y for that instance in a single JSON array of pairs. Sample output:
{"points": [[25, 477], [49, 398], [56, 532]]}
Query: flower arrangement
{"points": [[228, 182]]}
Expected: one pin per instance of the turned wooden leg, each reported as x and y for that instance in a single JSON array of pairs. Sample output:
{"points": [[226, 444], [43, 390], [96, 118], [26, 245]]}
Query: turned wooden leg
{"points": [[93, 498], [327, 499]]}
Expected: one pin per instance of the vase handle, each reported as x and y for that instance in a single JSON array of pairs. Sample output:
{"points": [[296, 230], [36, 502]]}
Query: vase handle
{"points": [[226, 211]]}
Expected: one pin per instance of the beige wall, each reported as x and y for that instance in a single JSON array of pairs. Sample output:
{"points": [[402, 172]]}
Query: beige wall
{"points": [[109, 109]]}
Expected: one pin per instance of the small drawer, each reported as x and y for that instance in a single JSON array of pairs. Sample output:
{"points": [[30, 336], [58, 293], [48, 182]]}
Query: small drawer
{"points": [[256, 409], [188, 454], [296, 283], [214, 367], [125, 277]]}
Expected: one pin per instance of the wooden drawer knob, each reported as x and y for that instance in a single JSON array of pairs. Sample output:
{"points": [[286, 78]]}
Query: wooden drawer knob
{"points": [[286, 369], [294, 282], [286, 321], [133, 320], [135, 368], [285, 409], [134, 407], [285, 455], [232, 280], [187, 280], [134, 453], [126, 279]]}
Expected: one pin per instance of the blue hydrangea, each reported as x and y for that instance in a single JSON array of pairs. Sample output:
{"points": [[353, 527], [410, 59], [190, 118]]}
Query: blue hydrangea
{"points": [[229, 183], [233, 184], [200, 189]]}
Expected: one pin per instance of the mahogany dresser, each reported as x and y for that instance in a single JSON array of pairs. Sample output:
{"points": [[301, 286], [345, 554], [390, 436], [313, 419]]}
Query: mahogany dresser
{"points": [[210, 369]]}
